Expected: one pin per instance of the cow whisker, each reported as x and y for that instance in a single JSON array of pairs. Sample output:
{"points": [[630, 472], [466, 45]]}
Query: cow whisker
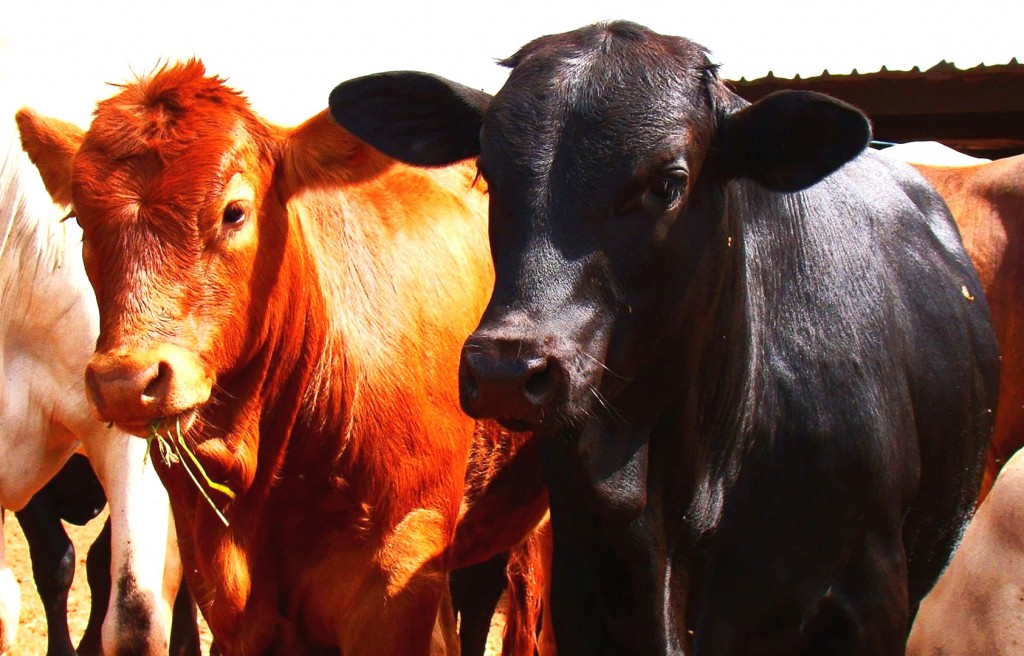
{"points": [[601, 364], [223, 391], [612, 412]]}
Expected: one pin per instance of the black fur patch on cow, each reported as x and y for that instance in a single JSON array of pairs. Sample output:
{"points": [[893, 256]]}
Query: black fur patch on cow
{"points": [[136, 613]]}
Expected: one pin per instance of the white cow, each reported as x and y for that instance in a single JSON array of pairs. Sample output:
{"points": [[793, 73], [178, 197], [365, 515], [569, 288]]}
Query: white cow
{"points": [[932, 153], [48, 329]]}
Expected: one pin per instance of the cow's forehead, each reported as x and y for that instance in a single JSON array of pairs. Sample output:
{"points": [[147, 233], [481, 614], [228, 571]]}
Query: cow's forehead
{"points": [[166, 110], [596, 107], [601, 88], [166, 145], [194, 176]]}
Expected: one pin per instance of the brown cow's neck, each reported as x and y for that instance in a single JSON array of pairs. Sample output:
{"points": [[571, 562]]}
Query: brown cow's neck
{"points": [[309, 395], [265, 449]]}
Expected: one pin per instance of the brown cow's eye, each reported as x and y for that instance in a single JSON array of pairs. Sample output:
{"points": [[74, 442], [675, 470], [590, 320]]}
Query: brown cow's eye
{"points": [[234, 214]]}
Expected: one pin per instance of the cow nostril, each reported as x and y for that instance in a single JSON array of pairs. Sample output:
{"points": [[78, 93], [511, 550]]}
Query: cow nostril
{"points": [[470, 386], [540, 382], [156, 388]]}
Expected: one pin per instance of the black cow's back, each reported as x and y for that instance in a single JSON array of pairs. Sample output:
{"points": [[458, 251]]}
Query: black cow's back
{"points": [[870, 383]]}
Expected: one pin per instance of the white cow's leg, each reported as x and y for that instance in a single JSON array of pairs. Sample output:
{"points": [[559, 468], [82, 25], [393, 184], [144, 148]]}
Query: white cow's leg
{"points": [[10, 596], [138, 617]]}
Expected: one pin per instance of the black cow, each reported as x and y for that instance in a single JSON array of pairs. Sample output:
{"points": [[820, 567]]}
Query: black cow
{"points": [[76, 496], [762, 361]]}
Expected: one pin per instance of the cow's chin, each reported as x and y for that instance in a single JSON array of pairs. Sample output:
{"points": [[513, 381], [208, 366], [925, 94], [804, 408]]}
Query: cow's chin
{"points": [[517, 425], [169, 426]]}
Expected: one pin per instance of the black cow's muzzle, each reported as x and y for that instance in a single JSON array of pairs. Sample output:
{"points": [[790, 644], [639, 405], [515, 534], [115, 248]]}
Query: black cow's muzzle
{"points": [[517, 381]]}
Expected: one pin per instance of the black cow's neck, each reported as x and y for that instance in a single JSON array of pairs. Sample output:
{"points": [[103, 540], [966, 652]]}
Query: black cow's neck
{"points": [[708, 421], [624, 480]]}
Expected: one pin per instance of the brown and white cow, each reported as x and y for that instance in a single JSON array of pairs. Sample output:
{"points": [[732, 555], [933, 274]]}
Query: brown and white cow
{"points": [[288, 306], [987, 201]]}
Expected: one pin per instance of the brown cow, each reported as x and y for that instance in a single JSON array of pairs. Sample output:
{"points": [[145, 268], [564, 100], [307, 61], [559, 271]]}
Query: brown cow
{"points": [[977, 606], [286, 308], [987, 201], [528, 626]]}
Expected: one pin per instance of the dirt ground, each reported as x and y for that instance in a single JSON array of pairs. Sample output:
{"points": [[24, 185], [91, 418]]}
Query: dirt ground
{"points": [[31, 640]]}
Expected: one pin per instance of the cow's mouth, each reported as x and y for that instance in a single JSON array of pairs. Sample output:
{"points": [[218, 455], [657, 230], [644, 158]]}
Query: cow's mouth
{"points": [[172, 448], [171, 426]]}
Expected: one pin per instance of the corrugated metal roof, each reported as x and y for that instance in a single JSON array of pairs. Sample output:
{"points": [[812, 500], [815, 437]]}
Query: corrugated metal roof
{"points": [[942, 69], [979, 110]]}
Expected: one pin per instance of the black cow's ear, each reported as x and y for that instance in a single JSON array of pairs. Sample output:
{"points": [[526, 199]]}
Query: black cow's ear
{"points": [[420, 119], [789, 140]]}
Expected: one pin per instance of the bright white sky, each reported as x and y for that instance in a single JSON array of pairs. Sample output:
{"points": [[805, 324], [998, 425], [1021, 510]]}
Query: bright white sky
{"points": [[288, 55]]}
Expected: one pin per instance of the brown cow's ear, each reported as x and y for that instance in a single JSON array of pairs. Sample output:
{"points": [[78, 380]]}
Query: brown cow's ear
{"points": [[789, 140], [417, 118], [317, 153], [51, 144]]}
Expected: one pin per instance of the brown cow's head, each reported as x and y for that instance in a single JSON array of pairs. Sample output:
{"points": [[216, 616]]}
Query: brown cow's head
{"points": [[178, 187]]}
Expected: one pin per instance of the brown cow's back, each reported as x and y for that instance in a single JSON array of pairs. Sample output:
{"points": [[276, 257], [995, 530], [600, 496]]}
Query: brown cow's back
{"points": [[987, 202]]}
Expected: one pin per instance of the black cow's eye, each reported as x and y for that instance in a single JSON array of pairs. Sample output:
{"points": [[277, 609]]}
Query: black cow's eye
{"points": [[234, 214], [667, 189]]}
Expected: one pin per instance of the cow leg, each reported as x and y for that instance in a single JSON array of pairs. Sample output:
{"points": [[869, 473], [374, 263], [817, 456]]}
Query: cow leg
{"points": [[185, 624], [76, 493], [523, 573], [546, 635], [138, 613], [53, 568], [97, 568], [445, 639], [10, 596], [79, 498], [475, 592], [411, 583], [525, 597], [865, 612], [404, 625]]}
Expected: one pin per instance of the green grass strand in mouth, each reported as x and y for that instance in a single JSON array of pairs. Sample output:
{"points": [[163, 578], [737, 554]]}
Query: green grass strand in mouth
{"points": [[171, 449]]}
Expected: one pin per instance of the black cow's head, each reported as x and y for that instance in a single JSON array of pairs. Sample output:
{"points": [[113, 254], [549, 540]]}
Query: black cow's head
{"points": [[604, 152]]}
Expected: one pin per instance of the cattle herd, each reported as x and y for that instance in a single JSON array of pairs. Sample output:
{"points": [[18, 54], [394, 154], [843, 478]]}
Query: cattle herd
{"points": [[688, 375]]}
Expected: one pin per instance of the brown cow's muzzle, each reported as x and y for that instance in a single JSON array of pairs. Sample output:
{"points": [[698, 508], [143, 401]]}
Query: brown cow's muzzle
{"points": [[133, 390]]}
